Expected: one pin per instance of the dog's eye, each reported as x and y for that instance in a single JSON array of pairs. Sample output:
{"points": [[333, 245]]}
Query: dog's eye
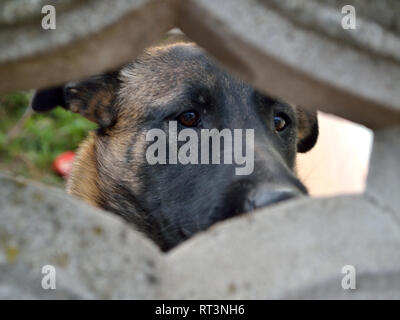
{"points": [[281, 121], [189, 118]]}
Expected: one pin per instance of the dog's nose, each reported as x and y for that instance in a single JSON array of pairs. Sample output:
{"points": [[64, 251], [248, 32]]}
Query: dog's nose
{"points": [[261, 197]]}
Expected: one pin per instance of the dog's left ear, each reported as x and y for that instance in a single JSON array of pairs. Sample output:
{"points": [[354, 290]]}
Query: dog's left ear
{"points": [[93, 98], [307, 129]]}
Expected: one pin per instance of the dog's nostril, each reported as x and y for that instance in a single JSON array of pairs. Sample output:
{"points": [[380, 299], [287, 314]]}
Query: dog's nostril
{"points": [[262, 198]]}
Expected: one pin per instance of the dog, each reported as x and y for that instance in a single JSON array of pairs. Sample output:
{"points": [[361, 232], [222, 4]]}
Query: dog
{"points": [[179, 82]]}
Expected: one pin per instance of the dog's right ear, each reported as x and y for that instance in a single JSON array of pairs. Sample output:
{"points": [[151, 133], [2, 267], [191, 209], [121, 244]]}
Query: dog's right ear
{"points": [[45, 100], [93, 98]]}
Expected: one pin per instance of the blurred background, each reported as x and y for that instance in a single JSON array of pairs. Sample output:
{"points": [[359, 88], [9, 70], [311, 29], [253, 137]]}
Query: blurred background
{"points": [[30, 142], [339, 161]]}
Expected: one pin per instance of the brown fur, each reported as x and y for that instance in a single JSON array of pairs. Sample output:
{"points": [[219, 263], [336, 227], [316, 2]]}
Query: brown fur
{"points": [[83, 180]]}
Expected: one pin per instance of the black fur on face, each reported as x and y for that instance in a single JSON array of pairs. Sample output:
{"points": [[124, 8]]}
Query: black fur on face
{"points": [[171, 202]]}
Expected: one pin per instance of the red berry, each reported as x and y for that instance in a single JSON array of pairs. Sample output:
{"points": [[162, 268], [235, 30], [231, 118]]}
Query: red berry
{"points": [[63, 163]]}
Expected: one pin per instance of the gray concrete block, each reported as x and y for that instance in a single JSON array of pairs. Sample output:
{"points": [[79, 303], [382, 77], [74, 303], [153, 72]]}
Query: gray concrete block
{"points": [[377, 28], [383, 184], [90, 37], [294, 250], [96, 254]]}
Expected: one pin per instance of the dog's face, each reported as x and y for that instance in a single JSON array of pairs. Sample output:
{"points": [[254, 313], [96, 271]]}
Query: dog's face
{"points": [[180, 83]]}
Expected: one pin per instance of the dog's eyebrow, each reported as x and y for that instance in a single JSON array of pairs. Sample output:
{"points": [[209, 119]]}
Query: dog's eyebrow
{"points": [[263, 99], [200, 95], [178, 100]]}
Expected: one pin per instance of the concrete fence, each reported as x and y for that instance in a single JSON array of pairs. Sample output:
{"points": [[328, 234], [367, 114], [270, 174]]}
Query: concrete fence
{"points": [[296, 50]]}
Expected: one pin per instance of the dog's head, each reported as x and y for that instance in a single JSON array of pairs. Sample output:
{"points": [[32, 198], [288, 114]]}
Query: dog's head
{"points": [[180, 85]]}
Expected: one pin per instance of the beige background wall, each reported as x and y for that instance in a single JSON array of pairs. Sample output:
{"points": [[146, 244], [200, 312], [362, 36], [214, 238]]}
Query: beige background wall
{"points": [[339, 162]]}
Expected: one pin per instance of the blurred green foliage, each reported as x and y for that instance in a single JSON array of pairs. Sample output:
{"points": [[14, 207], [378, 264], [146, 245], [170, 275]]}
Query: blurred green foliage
{"points": [[37, 140]]}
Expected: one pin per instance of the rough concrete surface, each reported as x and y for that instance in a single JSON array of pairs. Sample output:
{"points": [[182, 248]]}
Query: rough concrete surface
{"points": [[96, 255], [383, 185], [92, 37], [296, 250]]}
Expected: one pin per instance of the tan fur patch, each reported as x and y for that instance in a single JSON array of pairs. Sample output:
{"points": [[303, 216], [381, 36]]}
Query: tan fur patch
{"points": [[83, 179], [303, 124]]}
